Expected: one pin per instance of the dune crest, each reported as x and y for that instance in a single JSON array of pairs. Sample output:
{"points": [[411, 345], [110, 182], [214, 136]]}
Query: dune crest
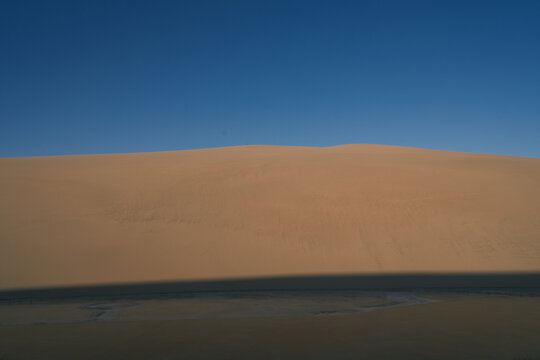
{"points": [[265, 211]]}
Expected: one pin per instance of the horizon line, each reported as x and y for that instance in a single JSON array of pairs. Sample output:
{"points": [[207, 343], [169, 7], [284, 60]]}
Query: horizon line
{"points": [[264, 145]]}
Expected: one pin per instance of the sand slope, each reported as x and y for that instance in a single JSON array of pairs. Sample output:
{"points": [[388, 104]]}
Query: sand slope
{"points": [[264, 211]]}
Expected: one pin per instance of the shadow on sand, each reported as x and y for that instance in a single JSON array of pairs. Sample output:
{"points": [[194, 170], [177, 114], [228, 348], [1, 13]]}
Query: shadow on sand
{"points": [[291, 283]]}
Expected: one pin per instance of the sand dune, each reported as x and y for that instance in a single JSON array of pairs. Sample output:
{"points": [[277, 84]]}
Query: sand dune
{"points": [[265, 211]]}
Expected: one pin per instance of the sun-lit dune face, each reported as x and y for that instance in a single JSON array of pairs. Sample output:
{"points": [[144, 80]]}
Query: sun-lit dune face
{"points": [[265, 211]]}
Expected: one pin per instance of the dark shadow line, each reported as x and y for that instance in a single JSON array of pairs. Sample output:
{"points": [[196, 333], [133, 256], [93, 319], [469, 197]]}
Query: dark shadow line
{"points": [[388, 282]]}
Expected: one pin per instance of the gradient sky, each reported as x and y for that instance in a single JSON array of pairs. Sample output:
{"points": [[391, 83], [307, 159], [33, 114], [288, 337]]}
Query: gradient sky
{"points": [[79, 77]]}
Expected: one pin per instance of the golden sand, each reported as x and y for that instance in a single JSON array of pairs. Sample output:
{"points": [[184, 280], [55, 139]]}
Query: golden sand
{"points": [[265, 211]]}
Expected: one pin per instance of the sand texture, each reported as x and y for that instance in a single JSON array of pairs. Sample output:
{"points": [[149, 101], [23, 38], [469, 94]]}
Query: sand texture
{"points": [[253, 211], [506, 328]]}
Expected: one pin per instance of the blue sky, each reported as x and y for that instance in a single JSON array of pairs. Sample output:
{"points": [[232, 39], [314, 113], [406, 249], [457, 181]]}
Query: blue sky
{"points": [[80, 77]]}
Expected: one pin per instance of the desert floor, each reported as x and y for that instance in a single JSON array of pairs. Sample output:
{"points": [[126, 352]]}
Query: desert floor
{"points": [[276, 325]]}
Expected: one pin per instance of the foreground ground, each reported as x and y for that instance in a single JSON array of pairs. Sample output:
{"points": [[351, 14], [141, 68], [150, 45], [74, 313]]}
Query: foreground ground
{"points": [[350, 325]]}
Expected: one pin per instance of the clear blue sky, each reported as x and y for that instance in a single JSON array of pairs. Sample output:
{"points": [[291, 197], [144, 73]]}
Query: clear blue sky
{"points": [[79, 77]]}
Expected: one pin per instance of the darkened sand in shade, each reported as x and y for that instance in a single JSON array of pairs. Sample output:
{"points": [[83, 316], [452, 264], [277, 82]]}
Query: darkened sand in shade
{"points": [[255, 211], [346, 325]]}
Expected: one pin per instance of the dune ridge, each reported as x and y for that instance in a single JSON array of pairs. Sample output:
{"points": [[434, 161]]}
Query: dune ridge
{"points": [[252, 211]]}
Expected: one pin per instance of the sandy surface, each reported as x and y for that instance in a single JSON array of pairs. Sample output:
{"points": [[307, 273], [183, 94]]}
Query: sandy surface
{"points": [[208, 306], [265, 211], [453, 327]]}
